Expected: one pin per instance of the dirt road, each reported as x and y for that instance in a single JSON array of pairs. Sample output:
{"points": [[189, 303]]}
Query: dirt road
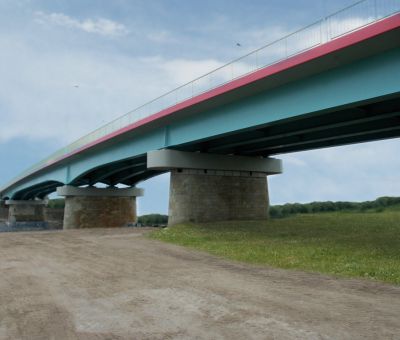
{"points": [[116, 284]]}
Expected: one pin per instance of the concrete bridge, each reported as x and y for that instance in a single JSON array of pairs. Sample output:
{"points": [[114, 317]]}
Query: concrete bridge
{"points": [[218, 133]]}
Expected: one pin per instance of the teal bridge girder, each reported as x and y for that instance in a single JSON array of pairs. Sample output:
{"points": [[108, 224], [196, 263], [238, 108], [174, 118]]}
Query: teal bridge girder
{"points": [[343, 92]]}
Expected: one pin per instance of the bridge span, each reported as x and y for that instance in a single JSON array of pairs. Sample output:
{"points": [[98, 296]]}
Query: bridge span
{"points": [[341, 87]]}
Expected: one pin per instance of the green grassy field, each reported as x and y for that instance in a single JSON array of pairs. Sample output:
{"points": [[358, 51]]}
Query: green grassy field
{"points": [[348, 244]]}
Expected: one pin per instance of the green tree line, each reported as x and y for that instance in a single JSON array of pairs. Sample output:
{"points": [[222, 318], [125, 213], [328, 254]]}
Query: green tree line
{"points": [[377, 205], [278, 211], [153, 219]]}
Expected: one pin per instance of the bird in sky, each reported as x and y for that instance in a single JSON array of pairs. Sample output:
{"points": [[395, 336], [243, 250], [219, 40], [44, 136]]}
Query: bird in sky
{"points": [[238, 44], [76, 86]]}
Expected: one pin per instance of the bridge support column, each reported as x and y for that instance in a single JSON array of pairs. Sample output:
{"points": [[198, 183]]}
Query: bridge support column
{"points": [[209, 187], [26, 211], [99, 207], [209, 195], [3, 211]]}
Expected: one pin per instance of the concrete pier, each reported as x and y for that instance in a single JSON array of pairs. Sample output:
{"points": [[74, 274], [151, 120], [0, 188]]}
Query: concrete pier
{"points": [[54, 217], [99, 207], [209, 195], [3, 211], [211, 187], [26, 211]]}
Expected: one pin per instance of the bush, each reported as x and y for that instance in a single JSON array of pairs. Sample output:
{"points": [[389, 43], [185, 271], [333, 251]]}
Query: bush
{"points": [[153, 219], [58, 203], [379, 205]]}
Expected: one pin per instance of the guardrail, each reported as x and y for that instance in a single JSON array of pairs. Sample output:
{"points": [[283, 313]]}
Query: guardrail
{"points": [[353, 17]]}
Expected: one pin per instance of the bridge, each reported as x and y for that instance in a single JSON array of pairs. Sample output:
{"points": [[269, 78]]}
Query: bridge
{"points": [[332, 83]]}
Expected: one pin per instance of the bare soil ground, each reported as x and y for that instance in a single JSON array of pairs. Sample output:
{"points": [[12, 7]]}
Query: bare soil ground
{"points": [[117, 284]]}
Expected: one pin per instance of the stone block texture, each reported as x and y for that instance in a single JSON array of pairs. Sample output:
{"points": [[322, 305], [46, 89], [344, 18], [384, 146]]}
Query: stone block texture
{"points": [[199, 196], [3, 211], [99, 212], [26, 213], [54, 217]]}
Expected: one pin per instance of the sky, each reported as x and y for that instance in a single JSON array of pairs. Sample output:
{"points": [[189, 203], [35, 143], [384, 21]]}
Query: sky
{"points": [[69, 66]]}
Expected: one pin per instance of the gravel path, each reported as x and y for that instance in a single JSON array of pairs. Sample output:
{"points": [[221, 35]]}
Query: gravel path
{"points": [[116, 284]]}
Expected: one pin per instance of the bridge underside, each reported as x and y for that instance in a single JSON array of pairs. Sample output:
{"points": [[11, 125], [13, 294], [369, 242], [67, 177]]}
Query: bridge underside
{"points": [[376, 119], [369, 121], [39, 191], [359, 123], [379, 119], [127, 172]]}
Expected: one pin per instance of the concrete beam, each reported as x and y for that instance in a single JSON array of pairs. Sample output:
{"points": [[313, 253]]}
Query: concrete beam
{"points": [[26, 202], [68, 190], [172, 159]]}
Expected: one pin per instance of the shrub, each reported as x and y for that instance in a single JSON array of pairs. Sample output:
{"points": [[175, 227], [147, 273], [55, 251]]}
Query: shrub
{"points": [[58, 203], [153, 219], [379, 205]]}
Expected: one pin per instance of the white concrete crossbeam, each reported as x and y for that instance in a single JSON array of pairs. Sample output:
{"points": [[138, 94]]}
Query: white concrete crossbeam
{"points": [[172, 159], [26, 202], [69, 190]]}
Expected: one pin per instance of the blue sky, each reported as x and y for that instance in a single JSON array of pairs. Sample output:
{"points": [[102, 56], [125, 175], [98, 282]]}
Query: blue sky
{"points": [[122, 53]]}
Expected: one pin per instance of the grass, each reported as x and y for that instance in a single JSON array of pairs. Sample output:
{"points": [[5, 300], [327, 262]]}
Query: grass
{"points": [[345, 244]]}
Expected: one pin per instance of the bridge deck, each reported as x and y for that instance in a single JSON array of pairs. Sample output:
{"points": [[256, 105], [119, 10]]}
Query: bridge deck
{"points": [[343, 91]]}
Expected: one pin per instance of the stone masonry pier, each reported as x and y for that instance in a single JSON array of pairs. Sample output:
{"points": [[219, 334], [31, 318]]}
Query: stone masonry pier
{"points": [[3, 211], [26, 211], [203, 196], [99, 207], [211, 187]]}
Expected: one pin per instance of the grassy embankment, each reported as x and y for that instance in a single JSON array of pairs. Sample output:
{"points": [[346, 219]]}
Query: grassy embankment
{"points": [[352, 244]]}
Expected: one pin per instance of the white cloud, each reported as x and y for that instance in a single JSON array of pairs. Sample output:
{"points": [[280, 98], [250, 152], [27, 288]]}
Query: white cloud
{"points": [[293, 160], [38, 98], [186, 70], [296, 42], [338, 26], [354, 172], [183, 70], [37, 89], [161, 37], [101, 26]]}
